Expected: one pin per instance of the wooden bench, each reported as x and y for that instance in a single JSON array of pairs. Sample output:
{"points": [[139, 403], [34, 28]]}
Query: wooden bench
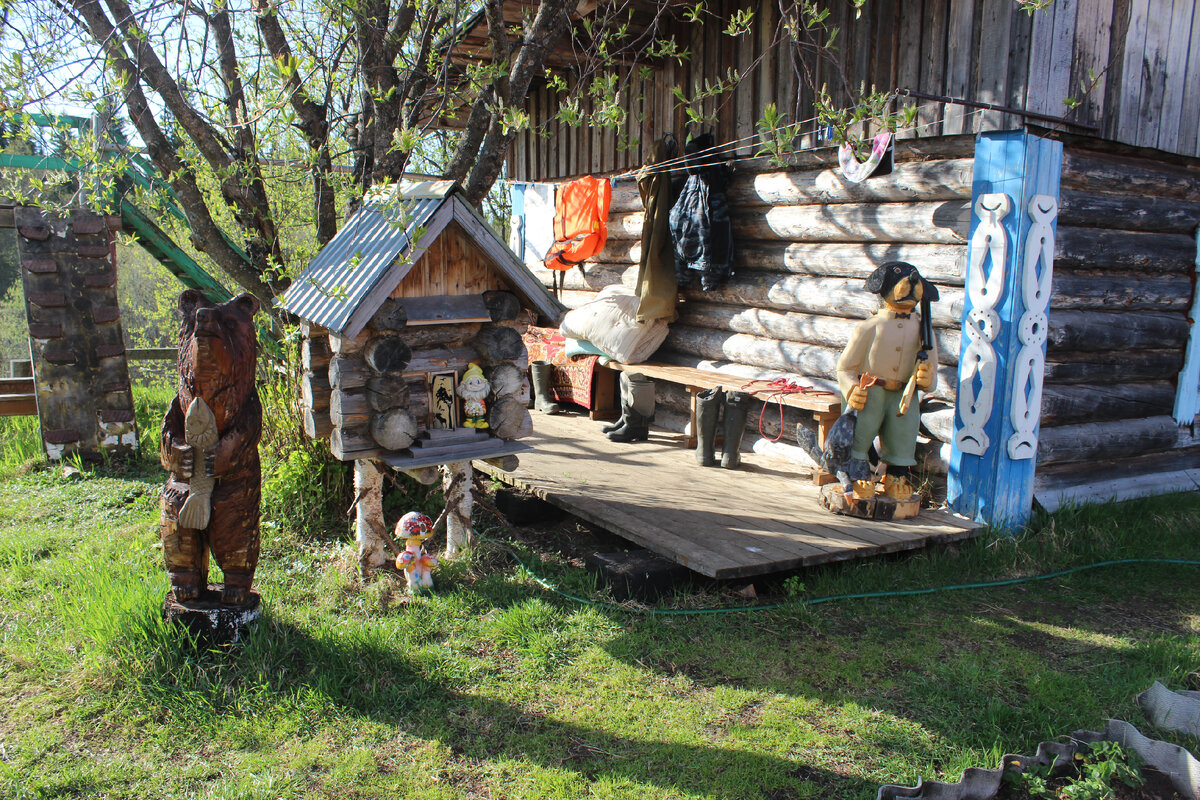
{"points": [[825, 406]]}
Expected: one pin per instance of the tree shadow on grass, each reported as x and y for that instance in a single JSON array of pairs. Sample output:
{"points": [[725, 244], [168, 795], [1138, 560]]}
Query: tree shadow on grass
{"points": [[363, 674]]}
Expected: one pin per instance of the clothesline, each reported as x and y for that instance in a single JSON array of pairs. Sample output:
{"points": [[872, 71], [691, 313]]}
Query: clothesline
{"points": [[679, 163]]}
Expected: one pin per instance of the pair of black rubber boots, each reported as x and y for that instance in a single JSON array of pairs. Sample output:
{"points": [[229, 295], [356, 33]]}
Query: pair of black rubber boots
{"points": [[708, 410], [637, 410]]}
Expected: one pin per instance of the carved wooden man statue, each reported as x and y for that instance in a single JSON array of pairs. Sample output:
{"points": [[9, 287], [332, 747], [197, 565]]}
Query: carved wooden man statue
{"points": [[210, 446], [895, 351]]}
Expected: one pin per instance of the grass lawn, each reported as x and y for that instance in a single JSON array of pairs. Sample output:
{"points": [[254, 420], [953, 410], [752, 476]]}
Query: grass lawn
{"points": [[497, 688]]}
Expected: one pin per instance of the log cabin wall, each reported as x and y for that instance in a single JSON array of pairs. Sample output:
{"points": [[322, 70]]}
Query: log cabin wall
{"points": [[805, 240], [1125, 256], [1139, 58]]}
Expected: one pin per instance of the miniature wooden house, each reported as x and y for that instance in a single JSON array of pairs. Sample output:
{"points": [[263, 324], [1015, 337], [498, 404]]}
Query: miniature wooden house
{"points": [[412, 290]]}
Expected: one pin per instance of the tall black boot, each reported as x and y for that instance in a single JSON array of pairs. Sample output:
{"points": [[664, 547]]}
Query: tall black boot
{"points": [[735, 426], [637, 406], [708, 408], [543, 401]]}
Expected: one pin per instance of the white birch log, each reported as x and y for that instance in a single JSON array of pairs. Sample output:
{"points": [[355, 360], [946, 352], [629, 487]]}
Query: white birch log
{"points": [[457, 478], [368, 488]]}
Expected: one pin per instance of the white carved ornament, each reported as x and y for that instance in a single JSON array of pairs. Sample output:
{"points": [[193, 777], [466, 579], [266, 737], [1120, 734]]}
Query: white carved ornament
{"points": [[989, 243], [1031, 330]]}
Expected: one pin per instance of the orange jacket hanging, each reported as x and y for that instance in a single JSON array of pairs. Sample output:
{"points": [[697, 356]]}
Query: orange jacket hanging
{"points": [[580, 214]]}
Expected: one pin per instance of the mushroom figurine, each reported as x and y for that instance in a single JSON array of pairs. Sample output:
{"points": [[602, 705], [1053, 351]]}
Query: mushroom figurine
{"points": [[416, 528]]}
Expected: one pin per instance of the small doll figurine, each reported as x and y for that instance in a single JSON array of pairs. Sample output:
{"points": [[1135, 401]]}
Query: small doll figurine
{"points": [[473, 389], [416, 528]]}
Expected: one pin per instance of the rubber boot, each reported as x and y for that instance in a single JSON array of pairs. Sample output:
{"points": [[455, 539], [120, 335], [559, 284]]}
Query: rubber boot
{"points": [[708, 408], [542, 399], [735, 426], [637, 404]]}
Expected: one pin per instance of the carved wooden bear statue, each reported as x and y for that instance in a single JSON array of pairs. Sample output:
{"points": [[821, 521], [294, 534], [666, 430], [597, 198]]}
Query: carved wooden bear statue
{"points": [[210, 446]]}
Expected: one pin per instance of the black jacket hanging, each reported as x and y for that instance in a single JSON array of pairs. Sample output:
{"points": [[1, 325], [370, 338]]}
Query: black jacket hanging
{"points": [[700, 227]]}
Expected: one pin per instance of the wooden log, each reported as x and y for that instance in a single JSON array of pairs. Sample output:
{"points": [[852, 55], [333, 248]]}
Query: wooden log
{"points": [[496, 343], [1078, 248], [914, 181], [423, 337], [788, 357], [507, 380], [426, 476], [348, 409], [1100, 402], [1130, 212], [502, 305], [619, 251], [930, 149], [591, 279], [509, 419], [795, 327], [387, 391], [341, 345], [1092, 171], [418, 400], [387, 354], [317, 424], [626, 226], [310, 330], [1111, 367], [625, 197], [507, 463], [1091, 331], [836, 297], [314, 391], [943, 264], [440, 359], [315, 354], [369, 525], [394, 429], [348, 373], [390, 318], [1106, 440], [1120, 292], [945, 222], [348, 444]]}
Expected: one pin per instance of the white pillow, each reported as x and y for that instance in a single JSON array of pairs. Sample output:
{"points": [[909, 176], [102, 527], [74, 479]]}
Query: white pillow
{"points": [[610, 323]]}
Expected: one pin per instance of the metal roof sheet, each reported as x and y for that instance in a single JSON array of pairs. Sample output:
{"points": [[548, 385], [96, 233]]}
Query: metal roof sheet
{"points": [[360, 254]]}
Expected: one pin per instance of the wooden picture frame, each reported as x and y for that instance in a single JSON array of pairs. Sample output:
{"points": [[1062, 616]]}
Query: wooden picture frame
{"points": [[443, 401]]}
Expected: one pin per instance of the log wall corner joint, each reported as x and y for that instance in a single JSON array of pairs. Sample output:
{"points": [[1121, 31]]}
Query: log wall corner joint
{"points": [[1004, 324]]}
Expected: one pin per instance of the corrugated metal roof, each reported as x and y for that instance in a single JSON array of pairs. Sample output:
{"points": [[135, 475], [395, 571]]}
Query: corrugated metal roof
{"points": [[346, 270]]}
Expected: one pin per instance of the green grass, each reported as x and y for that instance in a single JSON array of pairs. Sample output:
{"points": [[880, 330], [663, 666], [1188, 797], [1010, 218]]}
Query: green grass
{"points": [[495, 687]]}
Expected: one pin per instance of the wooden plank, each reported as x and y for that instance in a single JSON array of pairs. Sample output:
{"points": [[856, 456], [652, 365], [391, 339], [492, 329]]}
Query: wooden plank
{"points": [[739, 523], [933, 63], [1189, 131], [1118, 489], [1154, 73], [18, 405], [908, 74], [1089, 67], [1174, 78], [1133, 82], [17, 386], [959, 65], [991, 84]]}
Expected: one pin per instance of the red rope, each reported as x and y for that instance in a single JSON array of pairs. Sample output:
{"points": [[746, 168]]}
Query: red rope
{"points": [[778, 388]]}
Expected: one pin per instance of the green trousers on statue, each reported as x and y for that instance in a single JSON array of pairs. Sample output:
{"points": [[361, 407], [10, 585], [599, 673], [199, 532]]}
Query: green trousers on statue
{"points": [[897, 435]]}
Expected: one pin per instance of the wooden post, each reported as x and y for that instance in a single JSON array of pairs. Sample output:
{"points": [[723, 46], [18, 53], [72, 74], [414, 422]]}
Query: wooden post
{"points": [[1187, 392], [368, 491], [1014, 202], [456, 482]]}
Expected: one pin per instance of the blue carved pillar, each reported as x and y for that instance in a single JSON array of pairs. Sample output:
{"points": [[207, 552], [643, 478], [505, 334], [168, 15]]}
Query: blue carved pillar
{"points": [[1014, 201]]}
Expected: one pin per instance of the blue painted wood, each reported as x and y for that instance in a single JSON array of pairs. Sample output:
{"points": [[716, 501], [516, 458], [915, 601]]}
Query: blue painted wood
{"points": [[1187, 389], [994, 488]]}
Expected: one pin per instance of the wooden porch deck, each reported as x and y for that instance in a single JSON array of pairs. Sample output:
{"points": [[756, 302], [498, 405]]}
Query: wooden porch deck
{"points": [[763, 517]]}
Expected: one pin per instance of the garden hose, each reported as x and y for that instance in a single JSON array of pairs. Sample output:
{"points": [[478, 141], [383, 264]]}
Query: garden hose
{"points": [[813, 601]]}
